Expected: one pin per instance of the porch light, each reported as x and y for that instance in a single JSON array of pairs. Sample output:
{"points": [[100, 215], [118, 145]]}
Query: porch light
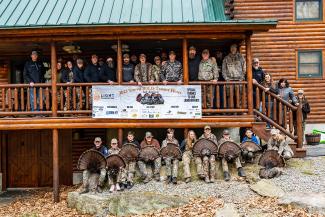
{"points": [[71, 49], [125, 47]]}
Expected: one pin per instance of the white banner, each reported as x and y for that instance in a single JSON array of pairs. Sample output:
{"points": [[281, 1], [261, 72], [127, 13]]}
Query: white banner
{"points": [[147, 102]]}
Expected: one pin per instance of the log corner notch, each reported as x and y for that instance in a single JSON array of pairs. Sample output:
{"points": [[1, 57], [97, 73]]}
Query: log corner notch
{"points": [[249, 72], [55, 136]]}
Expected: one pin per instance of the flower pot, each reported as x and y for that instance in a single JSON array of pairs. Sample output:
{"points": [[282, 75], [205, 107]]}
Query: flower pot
{"points": [[312, 139]]}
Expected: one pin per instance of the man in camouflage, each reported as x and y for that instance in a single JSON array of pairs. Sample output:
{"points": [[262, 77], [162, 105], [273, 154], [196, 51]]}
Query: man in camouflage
{"points": [[156, 68], [142, 71], [278, 142], [208, 71], [209, 162], [150, 141], [171, 70], [171, 164], [226, 174]]}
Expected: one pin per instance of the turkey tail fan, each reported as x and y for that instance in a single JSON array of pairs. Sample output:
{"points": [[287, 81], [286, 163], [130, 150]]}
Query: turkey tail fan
{"points": [[149, 153], [130, 152], [271, 158], [114, 162], [91, 160], [229, 148], [250, 146], [203, 146], [172, 151]]}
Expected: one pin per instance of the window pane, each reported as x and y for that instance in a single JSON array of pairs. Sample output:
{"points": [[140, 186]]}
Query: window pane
{"points": [[308, 9], [309, 69], [309, 57]]}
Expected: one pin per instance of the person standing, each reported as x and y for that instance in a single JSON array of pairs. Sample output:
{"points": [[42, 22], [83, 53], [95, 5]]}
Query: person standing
{"points": [[305, 110], [92, 71], [234, 65], [193, 63], [34, 73], [171, 70], [107, 73], [186, 148], [208, 71], [127, 69], [171, 164], [142, 71], [258, 72], [156, 69]]}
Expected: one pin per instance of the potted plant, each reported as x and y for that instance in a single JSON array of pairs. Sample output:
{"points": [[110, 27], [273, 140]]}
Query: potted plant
{"points": [[313, 138]]}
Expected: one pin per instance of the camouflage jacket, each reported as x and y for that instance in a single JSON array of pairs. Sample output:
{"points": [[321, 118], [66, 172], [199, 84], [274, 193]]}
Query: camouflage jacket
{"points": [[208, 70], [279, 146], [211, 137], [155, 73], [234, 67], [171, 71], [113, 151], [142, 73], [222, 140], [166, 141]]}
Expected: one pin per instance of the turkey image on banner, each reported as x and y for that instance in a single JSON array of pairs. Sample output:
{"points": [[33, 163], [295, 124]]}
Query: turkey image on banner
{"points": [[147, 102]]}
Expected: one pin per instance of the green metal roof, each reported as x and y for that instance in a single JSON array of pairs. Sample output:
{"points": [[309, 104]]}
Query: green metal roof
{"points": [[39, 13]]}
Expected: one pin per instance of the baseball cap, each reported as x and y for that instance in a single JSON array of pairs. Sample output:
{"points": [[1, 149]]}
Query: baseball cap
{"points": [[114, 141], [226, 132], [172, 52], [207, 127], [148, 134], [157, 58], [301, 91], [205, 51], [274, 132], [192, 48], [142, 55], [98, 139], [126, 55], [34, 52], [256, 60]]}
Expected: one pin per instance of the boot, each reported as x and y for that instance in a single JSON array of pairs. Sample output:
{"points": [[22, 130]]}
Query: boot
{"points": [[112, 188], [118, 188], [226, 176], [129, 185], [99, 189], [187, 180], [207, 180], [241, 172], [212, 179], [174, 180], [201, 176], [169, 179], [121, 186], [146, 180], [83, 190]]}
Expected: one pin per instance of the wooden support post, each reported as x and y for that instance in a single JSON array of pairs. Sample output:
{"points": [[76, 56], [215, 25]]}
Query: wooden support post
{"points": [[249, 72], [119, 62], [120, 136], [185, 132], [299, 132], [53, 77], [56, 191], [55, 137], [185, 62]]}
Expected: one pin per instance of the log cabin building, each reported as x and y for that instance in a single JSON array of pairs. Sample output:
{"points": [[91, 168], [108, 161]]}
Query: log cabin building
{"points": [[41, 148]]}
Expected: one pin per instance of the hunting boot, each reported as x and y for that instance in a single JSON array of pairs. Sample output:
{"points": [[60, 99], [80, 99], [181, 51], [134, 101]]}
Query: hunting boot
{"points": [[121, 186], [129, 185], [206, 179], [174, 180], [187, 180], [117, 186], [146, 179], [212, 179], [241, 172], [169, 179], [226, 176], [112, 188]]}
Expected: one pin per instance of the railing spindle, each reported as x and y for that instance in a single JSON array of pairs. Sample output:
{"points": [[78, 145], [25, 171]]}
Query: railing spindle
{"points": [[244, 100], [257, 97], [87, 98], [61, 97], [285, 119], [74, 98], [3, 90], [217, 96], [47, 96], [268, 105], [225, 96], [231, 96], [290, 121], [275, 113], [16, 99], [211, 95], [41, 104], [22, 99], [9, 99], [80, 98], [263, 103], [35, 98], [280, 114], [237, 94], [28, 99], [68, 99]]}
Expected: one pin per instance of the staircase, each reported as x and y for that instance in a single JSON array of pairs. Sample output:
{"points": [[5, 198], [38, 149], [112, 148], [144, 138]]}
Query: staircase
{"points": [[271, 109]]}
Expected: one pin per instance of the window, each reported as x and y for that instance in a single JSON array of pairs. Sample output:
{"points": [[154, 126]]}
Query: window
{"points": [[309, 64], [308, 10]]}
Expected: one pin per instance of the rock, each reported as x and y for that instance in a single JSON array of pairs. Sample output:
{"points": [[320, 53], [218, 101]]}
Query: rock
{"points": [[313, 202], [266, 188], [228, 210], [122, 204]]}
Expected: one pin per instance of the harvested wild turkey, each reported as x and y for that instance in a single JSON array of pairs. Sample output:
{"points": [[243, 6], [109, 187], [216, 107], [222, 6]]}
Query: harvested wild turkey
{"points": [[149, 153], [229, 150], [130, 152], [205, 147], [91, 160], [114, 162], [171, 151], [271, 158], [250, 146]]}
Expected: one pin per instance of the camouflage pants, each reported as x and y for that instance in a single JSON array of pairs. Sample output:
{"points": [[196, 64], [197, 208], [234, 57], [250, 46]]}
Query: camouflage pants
{"points": [[209, 166], [199, 166], [232, 88], [86, 174], [143, 167], [186, 158], [119, 177], [129, 172], [286, 155], [209, 96], [225, 164], [171, 167]]}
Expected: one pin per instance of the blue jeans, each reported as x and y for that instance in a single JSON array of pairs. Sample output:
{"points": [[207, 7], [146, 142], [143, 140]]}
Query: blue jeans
{"points": [[32, 98]]}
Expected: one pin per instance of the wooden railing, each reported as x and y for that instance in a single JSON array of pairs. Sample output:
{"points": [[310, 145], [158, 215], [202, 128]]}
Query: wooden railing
{"points": [[278, 113], [75, 98]]}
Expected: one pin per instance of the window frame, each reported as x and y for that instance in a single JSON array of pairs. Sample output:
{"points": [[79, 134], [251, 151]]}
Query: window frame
{"points": [[309, 19], [312, 76]]}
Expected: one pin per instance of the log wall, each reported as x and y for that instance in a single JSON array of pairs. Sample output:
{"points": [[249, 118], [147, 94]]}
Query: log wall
{"points": [[277, 48]]}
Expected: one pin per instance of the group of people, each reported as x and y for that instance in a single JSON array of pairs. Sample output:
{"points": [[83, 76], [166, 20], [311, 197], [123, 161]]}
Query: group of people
{"points": [[205, 164]]}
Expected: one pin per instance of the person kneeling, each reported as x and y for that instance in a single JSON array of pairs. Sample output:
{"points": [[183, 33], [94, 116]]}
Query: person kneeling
{"points": [[278, 142], [230, 158]]}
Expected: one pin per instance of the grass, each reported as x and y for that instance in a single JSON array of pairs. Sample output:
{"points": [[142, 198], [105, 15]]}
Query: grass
{"points": [[304, 166]]}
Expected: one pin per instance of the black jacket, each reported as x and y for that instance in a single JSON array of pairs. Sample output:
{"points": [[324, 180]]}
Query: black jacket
{"points": [[193, 67], [128, 72], [135, 142], [65, 75], [78, 75], [34, 72], [258, 75], [92, 73], [107, 73]]}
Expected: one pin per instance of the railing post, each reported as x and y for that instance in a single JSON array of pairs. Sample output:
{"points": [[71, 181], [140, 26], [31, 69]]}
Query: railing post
{"points": [[249, 72], [299, 133], [185, 62], [55, 137], [119, 62], [120, 136]]}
